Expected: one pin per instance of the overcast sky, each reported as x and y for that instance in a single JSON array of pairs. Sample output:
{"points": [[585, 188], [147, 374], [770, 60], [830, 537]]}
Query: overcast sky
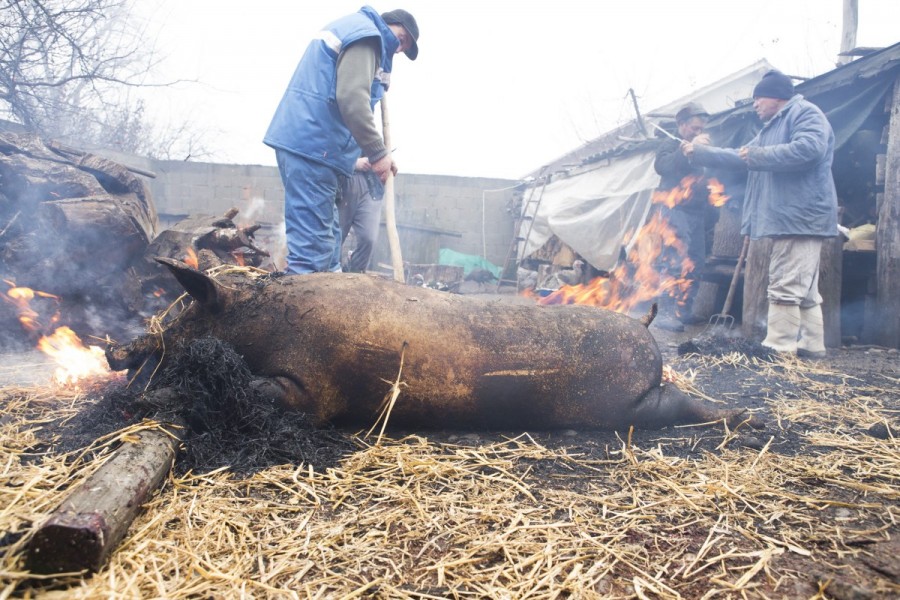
{"points": [[499, 88]]}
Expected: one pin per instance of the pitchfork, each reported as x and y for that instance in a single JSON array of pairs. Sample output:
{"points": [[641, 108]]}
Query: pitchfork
{"points": [[723, 319]]}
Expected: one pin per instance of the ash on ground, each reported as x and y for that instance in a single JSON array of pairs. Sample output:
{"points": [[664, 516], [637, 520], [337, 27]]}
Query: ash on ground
{"points": [[719, 343]]}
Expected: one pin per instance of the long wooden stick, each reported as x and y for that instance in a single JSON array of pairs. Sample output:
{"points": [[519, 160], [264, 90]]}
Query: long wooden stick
{"points": [[390, 218], [84, 530]]}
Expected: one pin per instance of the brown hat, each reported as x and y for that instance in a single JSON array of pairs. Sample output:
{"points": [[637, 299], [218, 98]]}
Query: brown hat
{"points": [[691, 109], [401, 17]]}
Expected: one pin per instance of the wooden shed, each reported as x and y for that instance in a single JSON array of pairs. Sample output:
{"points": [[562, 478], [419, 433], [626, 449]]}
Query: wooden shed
{"points": [[860, 277]]}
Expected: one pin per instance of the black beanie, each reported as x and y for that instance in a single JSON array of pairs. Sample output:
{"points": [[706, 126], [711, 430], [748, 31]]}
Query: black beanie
{"points": [[774, 84]]}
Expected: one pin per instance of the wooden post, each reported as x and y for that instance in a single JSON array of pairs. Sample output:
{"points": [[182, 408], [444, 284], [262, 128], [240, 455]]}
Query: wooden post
{"points": [[726, 243], [830, 276], [390, 220], [84, 530], [848, 33], [887, 235], [756, 280]]}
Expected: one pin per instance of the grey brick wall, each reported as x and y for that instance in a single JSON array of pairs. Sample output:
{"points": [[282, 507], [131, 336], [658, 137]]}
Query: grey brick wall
{"points": [[470, 215], [465, 214]]}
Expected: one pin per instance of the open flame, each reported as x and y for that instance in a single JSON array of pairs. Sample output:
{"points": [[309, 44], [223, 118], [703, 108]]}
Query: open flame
{"points": [[76, 362], [639, 279], [685, 189], [717, 195], [191, 259]]}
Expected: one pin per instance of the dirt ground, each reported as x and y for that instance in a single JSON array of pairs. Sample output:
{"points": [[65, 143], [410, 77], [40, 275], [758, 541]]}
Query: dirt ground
{"points": [[806, 507]]}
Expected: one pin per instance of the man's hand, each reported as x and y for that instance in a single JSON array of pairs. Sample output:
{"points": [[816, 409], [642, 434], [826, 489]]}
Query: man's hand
{"points": [[384, 166], [362, 164], [744, 153], [702, 138]]}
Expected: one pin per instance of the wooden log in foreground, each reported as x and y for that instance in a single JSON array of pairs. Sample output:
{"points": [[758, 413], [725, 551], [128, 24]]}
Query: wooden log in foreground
{"points": [[85, 529]]}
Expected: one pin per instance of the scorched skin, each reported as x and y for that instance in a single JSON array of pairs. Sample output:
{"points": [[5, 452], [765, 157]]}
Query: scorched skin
{"points": [[328, 344]]}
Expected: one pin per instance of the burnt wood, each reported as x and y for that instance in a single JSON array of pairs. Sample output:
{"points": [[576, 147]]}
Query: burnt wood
{"points": [[83, 531]]}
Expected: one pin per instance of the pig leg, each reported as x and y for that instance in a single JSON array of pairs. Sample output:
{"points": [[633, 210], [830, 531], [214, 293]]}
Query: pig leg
{"points": [[666, 405]]}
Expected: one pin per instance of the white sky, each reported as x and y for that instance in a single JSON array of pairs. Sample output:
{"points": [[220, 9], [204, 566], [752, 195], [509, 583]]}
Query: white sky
{"points": [[499, 88]]}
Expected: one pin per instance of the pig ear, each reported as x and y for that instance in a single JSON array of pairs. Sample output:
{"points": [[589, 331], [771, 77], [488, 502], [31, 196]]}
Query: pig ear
{"points": [[201, 287]]}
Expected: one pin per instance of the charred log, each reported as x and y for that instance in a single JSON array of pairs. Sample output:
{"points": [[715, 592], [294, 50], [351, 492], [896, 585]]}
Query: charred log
{"points": [[90, 523]]}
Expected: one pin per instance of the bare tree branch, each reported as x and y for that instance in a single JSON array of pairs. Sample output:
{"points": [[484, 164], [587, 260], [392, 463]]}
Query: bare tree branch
{"points": [[66, 66]]}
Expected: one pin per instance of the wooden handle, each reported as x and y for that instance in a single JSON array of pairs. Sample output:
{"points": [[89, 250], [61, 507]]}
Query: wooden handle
{"points": [[737, 273], [390, 219]]}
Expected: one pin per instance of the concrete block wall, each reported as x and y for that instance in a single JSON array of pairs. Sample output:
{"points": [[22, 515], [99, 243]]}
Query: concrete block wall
{"points": [[473, 211], [466, 214]]}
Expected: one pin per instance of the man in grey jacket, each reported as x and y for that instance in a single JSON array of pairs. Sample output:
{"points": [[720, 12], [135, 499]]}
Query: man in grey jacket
{"points": [[790, 198]]}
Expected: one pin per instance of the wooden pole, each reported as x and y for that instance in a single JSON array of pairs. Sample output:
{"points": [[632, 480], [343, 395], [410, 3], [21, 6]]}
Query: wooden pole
{"points": [[390, 219], [84, 530], [756, 281], [848, 33], [887, 234], [830, 276]]}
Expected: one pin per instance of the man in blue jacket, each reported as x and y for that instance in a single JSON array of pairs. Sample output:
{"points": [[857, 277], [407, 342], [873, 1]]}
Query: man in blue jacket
{"points": [[790, 198], [325, 121]]}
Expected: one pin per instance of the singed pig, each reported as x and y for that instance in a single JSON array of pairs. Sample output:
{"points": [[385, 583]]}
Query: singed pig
{"points": [[330, 345]]}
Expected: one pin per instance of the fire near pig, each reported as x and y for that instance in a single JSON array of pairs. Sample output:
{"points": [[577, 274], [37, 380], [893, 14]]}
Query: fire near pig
{"points": [[329, 345]]}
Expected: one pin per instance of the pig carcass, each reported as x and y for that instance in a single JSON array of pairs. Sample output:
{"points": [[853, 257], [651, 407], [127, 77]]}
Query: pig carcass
{"points": [[330, 345]]}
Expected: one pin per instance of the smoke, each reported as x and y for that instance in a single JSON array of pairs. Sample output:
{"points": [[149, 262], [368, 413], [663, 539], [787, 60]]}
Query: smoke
{"points": [[251, 213], [72, 232]]}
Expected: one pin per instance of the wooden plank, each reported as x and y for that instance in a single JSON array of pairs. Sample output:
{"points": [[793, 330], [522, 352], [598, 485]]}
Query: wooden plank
{"points": [[756, 280], [830, 276], [84, 530], [887, 235], [880, 168], [848, 33]]}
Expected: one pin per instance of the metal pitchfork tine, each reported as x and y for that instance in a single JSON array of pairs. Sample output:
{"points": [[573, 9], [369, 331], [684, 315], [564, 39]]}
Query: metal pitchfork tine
{"points": [[723, 319]]}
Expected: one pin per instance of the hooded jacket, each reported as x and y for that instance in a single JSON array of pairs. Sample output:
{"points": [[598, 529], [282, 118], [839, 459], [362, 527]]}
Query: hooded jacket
{"points": [[308, 120], [790, 189]]}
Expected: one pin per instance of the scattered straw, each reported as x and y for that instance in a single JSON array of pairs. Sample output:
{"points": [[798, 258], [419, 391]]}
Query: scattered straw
{"points": [[589, 516]]}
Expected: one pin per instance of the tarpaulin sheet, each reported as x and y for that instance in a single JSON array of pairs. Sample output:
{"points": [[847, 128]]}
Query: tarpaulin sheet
{"points": [[593, 211]]}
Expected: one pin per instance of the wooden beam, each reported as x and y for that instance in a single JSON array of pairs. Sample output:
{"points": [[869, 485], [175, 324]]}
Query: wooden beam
{"points": [[756, 281], [848, 34], [831, 264], [887, 235], [84, 530]]}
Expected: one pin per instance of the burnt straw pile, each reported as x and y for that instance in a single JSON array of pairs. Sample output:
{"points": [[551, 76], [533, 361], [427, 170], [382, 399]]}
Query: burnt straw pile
{"points": [[227, 422], [719, 342]]}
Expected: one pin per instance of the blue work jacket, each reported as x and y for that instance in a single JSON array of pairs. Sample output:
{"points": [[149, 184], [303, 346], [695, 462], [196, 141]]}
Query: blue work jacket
{"points": [[308, 121]]}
